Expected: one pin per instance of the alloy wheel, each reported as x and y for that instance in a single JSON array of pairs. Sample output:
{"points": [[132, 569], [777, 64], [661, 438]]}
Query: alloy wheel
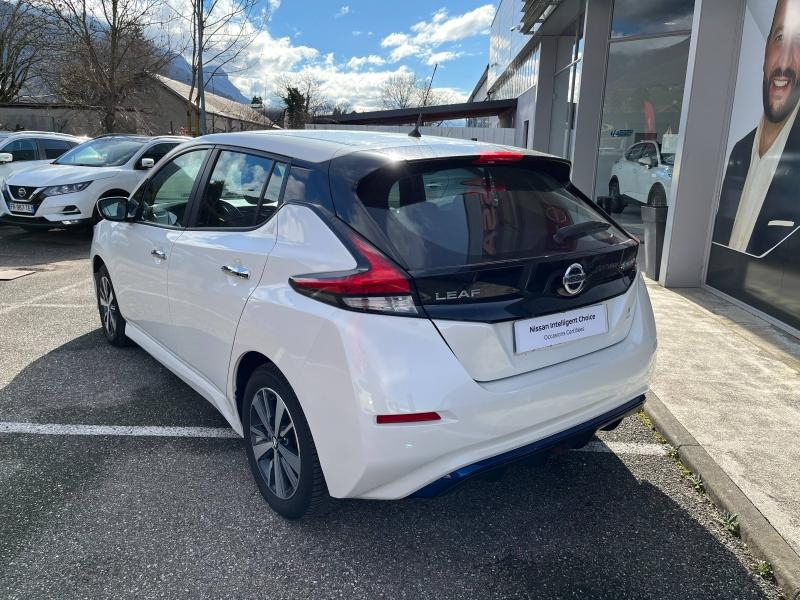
{"points": [[108, 306], [274, 442]]}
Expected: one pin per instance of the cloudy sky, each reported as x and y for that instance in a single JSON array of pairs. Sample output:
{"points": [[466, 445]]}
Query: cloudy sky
{"points": [[353, 46]]}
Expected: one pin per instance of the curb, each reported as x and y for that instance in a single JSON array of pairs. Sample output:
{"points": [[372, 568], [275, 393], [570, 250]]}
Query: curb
{"points": [[755, 530]]}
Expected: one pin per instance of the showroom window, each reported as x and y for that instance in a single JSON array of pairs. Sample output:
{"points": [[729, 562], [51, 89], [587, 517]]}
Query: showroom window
{"points": [[647, 56], [566, 86]]}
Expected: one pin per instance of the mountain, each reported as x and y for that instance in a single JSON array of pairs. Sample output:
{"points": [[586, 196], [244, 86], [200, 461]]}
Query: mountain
{"points": [[179, 69]]}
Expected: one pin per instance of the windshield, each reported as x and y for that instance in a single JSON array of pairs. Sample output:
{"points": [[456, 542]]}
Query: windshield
{"points": [[102, 152], [462, 213]]}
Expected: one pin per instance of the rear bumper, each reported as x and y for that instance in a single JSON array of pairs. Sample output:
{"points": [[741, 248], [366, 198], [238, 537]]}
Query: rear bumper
{"points": [[346, 368], [574, 437]]}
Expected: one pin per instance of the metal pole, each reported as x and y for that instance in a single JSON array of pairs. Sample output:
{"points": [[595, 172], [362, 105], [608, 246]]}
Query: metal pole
{"points": [[200, 77]]}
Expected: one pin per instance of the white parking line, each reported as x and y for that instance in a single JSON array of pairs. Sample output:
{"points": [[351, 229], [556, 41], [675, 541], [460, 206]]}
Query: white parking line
{"points": [[54, 292], [144, 431], [639, 448]]}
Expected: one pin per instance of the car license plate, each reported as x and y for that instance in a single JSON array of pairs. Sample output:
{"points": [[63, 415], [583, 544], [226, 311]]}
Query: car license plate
{"points": [[22, 207], [543, 332]]}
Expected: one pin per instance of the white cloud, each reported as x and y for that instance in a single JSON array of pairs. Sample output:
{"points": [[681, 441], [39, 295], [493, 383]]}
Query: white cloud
{"points": [[442, 57], [444, 28], [357, 33], [394, 39], [359, 61], [273, 6], [428, 36], [342, 11]]}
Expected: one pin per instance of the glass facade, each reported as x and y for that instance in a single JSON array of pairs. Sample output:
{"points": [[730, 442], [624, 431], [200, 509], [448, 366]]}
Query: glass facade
{"points": [[566, 89], [645, 79], [505, 39], [519, 77]]}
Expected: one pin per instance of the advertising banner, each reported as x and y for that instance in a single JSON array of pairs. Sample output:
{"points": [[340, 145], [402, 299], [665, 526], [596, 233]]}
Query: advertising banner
{"points": [[755, 251]]}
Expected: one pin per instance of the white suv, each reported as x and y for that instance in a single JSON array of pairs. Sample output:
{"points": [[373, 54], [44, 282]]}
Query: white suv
{"points": [[379, 316], [643, 175], [64, 192], [24, 149]]}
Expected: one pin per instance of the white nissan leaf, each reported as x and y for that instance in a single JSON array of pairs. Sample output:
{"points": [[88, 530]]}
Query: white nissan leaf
{"points": [[379, 316]]}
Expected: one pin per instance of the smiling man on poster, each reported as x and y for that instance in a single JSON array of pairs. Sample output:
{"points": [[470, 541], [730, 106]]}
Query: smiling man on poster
{"points": [[760, 200]]}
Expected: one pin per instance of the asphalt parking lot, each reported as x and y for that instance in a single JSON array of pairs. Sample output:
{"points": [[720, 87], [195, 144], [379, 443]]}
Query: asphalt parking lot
{"points": [[152, 516]]}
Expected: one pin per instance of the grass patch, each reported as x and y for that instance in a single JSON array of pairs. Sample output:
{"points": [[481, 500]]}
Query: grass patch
{"points": [[764, 570], [730, 522]]}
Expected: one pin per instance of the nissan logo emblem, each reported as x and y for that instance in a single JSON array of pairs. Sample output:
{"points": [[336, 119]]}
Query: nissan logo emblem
{"points": [[21, 192], [574, 279]]}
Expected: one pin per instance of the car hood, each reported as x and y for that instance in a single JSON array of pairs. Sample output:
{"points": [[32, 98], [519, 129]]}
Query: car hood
{"points": [[51, 174]]}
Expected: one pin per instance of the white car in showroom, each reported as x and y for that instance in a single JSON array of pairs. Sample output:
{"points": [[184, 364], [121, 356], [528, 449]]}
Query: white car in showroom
{"points": [[643, 175], [379, 316], [64, 192]]}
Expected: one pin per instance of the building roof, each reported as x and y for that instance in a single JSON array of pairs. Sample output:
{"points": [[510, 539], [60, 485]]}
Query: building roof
{"points": [[444, 112], [319, 145], [218, 105]]}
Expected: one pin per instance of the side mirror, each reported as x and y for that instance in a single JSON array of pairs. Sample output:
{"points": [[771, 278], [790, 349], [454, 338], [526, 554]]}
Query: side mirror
{"points": [[648, 161], [147, 163], [114, 208], [6, 157]]}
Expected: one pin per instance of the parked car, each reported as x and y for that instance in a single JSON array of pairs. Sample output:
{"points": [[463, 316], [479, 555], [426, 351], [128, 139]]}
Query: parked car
{"points": [[24, 149], [378, 316], [64, 193], [643, 175]]}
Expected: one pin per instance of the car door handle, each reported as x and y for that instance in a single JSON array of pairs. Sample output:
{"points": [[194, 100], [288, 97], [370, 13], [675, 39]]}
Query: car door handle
{"points": [[238, 271], [159, 254]]}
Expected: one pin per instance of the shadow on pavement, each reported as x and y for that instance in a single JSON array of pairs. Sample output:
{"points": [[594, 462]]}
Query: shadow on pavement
{"points": [[114, 517], [20, 248]]}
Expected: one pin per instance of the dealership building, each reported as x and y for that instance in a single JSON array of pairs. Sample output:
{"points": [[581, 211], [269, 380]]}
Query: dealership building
{"points": [[666, 102]]}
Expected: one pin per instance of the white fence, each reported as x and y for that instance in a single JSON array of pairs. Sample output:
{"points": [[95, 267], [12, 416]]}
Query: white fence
{"points": [[495, 135]]}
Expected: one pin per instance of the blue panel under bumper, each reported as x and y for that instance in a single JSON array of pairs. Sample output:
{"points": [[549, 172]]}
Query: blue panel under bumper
{"points": [[566, 439]]}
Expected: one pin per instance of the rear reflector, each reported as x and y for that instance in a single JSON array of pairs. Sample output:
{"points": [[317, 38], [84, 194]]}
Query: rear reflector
{"points": [[408, 418], [501, 156]]}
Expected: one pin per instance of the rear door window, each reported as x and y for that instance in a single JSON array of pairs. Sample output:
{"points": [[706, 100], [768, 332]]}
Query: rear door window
{"points": [[468, 214], [53, 148]]}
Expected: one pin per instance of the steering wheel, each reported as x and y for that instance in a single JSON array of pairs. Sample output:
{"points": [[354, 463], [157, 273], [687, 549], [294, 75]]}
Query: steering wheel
{"points": [[226, 212]]}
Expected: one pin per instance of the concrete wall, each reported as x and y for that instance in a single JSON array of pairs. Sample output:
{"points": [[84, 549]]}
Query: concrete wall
{"points": [[526, 111], [495, 135]]}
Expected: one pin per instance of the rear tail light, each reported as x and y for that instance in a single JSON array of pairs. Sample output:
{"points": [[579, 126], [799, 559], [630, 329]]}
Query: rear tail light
{"points": [[408, 418], [375, 285]]}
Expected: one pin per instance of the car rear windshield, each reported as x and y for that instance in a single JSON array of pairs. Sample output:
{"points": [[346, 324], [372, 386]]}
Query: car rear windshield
{"points": [[463, 213]]}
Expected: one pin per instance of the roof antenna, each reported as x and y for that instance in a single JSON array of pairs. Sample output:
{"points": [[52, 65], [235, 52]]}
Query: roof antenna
{"points": [[415, 132]]}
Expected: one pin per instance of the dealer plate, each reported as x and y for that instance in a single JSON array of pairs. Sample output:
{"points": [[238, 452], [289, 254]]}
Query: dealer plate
{"points": [[543, 332], [22, 207]]}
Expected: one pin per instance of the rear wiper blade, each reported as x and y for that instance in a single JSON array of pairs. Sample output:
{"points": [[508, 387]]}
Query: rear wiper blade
{"points": [[579, 230]]}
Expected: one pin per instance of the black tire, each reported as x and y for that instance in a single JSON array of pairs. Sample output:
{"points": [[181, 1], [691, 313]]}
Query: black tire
{"points": [[290, 494], [657, 196], [616, 202], [111, 320]]}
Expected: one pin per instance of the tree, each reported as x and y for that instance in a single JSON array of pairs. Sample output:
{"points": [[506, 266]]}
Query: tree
{"points": [[406, 90], [302, 96], [100, 54], [220, 31], [21, 32]]}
